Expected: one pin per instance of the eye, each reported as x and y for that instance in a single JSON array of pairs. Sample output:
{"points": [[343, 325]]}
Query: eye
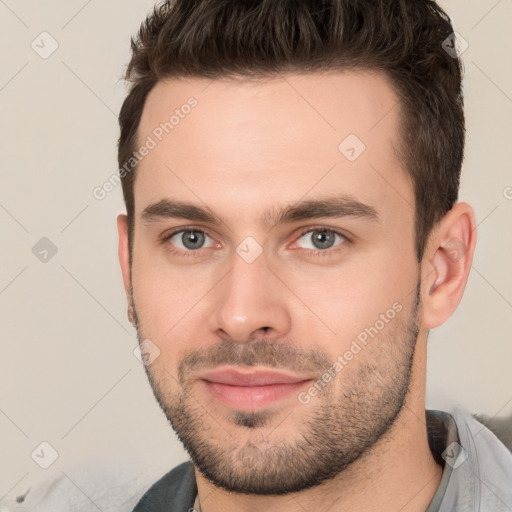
{"points": [[190, 239], [320, 239]]}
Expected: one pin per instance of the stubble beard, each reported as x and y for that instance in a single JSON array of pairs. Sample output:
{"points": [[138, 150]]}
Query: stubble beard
{"points": [[253, 452]]}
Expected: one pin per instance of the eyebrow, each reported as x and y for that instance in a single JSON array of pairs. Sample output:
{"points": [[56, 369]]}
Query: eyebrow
{"points": [[329, 207]]}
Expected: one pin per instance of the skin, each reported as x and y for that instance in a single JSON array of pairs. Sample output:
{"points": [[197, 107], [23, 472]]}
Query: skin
{"points": [[253, 146]]}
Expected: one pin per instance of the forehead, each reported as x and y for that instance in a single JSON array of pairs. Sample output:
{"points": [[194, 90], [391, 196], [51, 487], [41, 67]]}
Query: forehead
{"points": [[247, 144]]}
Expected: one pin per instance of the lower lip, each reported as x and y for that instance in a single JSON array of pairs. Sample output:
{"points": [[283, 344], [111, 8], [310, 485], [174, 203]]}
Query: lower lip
{"points": [[249, 398]]}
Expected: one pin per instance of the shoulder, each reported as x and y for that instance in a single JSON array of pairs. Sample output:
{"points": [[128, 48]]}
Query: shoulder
{"points": [[490, 461], [174, 492], [481, 433]]}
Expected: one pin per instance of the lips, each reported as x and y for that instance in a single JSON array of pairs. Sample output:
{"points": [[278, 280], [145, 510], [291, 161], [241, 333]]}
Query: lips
{"points": [[252, 389], [252, 377]]}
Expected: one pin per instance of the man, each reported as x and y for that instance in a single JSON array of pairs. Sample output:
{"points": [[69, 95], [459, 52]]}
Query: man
{"points": [[290, 172]]}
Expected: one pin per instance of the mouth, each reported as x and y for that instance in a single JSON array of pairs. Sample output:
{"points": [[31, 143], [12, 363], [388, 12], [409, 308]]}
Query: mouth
{"points": [[251, 389]]}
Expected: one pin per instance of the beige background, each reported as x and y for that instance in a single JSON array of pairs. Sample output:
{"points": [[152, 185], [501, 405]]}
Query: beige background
{"points": [[68, 373]]}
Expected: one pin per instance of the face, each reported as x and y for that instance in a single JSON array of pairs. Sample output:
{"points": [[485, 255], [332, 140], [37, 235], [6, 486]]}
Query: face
{"points": [[274, 273]]}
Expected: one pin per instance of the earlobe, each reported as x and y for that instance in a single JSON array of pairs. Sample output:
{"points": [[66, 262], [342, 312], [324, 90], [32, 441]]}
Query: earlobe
{"points": [[447, 264]]}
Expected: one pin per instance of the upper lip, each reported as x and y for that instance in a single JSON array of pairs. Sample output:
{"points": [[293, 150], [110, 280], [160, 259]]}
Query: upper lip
{"points": [[250, 377]]}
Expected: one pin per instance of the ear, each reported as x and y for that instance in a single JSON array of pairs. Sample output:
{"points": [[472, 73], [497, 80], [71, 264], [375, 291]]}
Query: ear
{"points": [[124, 261], [447, 263]]}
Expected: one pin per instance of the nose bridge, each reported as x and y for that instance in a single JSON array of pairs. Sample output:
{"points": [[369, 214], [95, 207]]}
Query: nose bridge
{"points": [[248, 299]]}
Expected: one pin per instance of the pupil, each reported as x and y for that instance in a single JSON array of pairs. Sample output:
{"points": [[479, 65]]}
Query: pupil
{"points": [[322, 239], [192, 239]]}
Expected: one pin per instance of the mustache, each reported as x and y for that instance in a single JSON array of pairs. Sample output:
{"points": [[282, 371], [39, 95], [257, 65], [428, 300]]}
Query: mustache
{"points": [[283, 355]]}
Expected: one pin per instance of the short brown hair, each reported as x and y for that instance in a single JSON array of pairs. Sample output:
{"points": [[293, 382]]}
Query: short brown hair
{"points": [[258, 38]]}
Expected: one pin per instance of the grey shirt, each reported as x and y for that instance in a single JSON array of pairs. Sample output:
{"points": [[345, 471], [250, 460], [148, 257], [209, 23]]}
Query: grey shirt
{"points": [[477, 474]]}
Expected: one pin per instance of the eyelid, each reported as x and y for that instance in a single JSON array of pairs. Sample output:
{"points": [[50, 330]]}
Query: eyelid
{"points": [[167, 235], [174, 231], [336, 231]]}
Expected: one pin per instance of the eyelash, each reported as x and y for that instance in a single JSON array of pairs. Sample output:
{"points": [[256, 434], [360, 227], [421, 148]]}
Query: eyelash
{"points": [[197, 253], [325, 252], [187, 254]]}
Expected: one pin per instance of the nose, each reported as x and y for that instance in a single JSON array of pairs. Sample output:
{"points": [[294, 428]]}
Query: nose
{"points": [[249, 301]]}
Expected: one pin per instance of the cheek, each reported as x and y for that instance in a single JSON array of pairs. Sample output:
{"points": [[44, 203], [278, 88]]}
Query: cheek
{"points": [[346, 300], [167, 297]]}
